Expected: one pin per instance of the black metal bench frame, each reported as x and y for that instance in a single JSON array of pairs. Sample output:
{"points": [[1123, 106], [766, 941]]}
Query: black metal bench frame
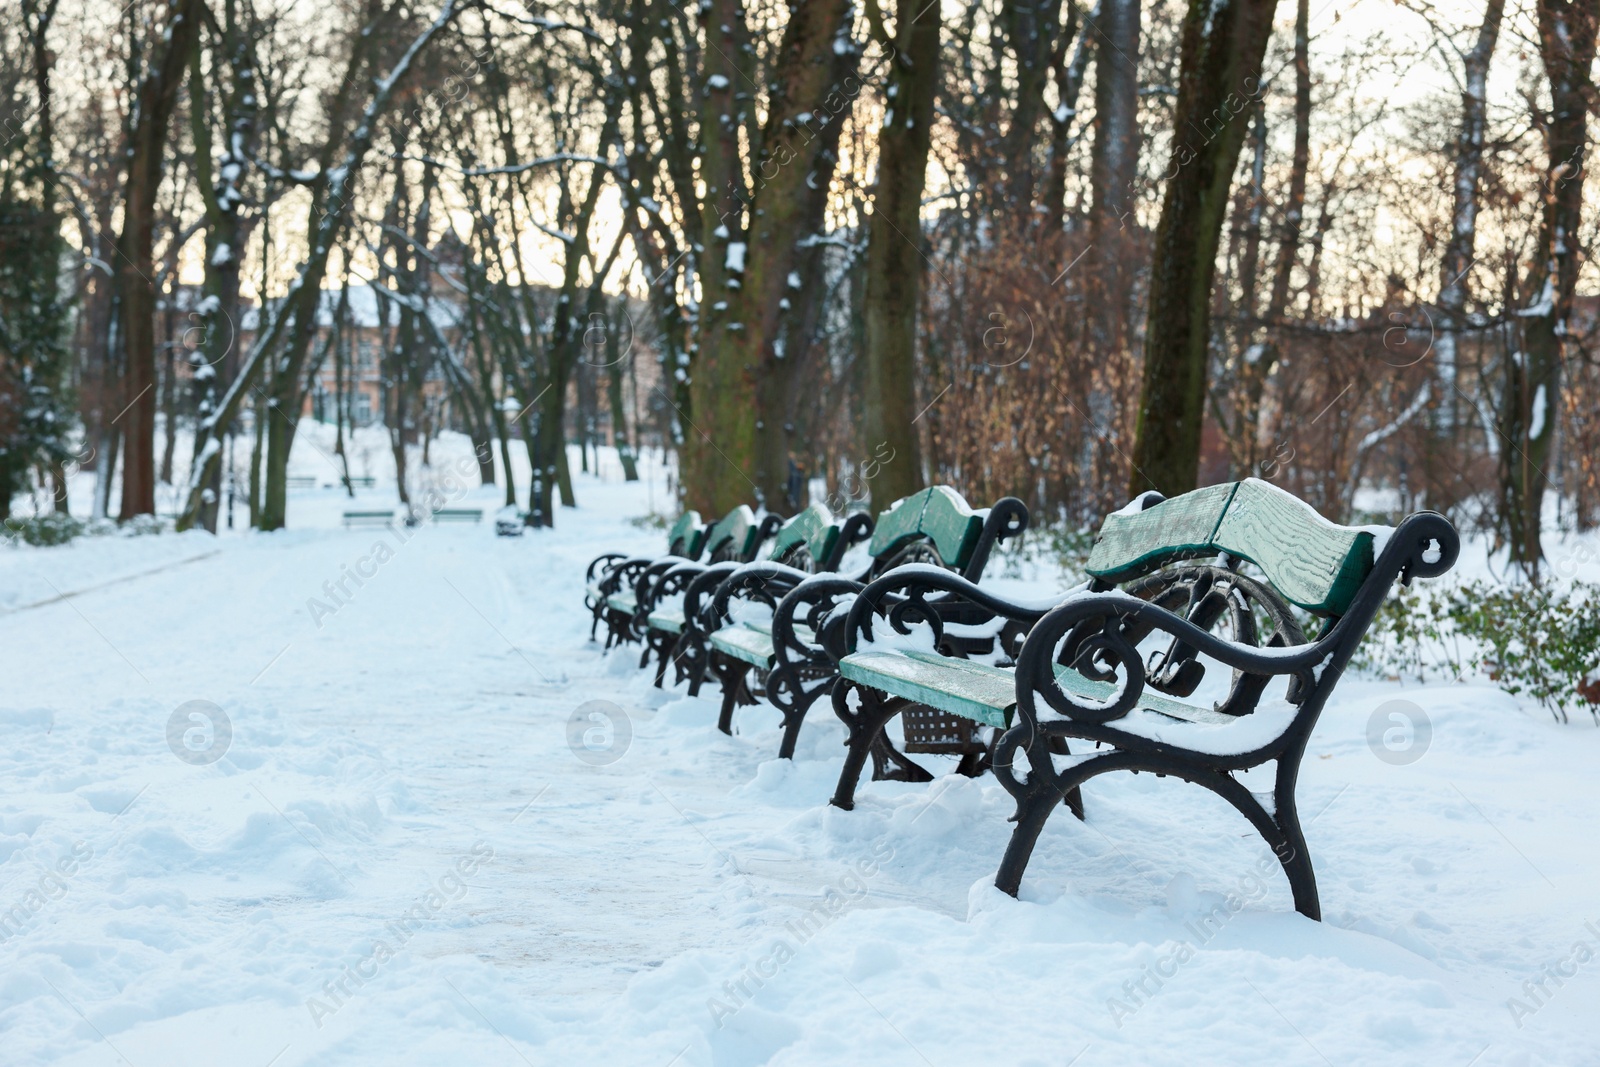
{"points": [[807, 625], [1096, 632], [669, 578], [613, 572]]}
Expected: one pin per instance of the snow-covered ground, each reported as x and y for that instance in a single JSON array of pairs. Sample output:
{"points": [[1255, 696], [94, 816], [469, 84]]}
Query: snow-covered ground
{"points": [[397, 856]]}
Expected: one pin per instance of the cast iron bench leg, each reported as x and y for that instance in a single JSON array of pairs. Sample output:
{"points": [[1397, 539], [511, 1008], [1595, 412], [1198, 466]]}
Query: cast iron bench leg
{"points": [[795, 717], [867, 739], [731, 674], [1281, 831]]}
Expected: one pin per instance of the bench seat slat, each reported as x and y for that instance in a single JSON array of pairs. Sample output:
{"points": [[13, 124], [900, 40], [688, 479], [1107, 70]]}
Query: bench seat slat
{"points": [[745, 644], [1312, 562], [751, 642], [622, 602], [971, 690], [987, 694], [667, 620]]}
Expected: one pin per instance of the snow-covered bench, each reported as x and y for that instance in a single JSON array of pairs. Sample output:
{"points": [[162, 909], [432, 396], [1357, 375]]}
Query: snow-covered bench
{"points": [[609, 581], [658, 617], [812, 542], [790, 657], [369, 518], [1081, 675]]}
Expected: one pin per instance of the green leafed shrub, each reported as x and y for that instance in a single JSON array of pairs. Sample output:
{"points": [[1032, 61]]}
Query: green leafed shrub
{"points": [[51, 529], [1542, 642]]}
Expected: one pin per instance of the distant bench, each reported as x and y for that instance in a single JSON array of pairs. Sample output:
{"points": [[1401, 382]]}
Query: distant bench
{"points": [[366, 481], [368, 518], [300, 481], [458, 515]]}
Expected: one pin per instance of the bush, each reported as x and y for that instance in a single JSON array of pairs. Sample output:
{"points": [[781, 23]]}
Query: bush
{"points": [[143, 526], [58, 529], [1543, 642], [55, 528]]}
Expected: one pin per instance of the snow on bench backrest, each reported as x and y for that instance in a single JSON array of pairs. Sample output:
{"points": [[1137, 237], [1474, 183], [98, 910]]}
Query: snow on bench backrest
{"points": [[1311, 562], [939, 514]]}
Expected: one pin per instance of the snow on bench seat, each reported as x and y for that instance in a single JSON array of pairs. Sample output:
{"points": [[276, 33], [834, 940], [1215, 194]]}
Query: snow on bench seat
{"points": [[983, 693]]}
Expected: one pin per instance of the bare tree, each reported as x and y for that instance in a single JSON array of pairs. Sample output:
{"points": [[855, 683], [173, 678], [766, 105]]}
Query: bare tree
{"points": [[1223, 45], [895, 257]]}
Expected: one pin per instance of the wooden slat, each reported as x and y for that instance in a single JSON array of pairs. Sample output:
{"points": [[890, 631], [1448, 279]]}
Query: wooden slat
{"points": [[1314, 563], [902, 520], [983, 693], [684, 532], [743, 643], [1132, 544], [732, 533], [953, 527], [667, 620], [1074, 682], [972, 690], [814, 527]]}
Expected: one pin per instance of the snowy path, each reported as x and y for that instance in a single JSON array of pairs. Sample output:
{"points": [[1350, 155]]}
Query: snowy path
{"points": [[651, 908]]}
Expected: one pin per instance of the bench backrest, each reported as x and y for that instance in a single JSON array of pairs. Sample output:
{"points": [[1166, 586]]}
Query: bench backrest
{"points": [[814, 529], [687, 536], [939, 514], [1311, 562], [734, 537]]}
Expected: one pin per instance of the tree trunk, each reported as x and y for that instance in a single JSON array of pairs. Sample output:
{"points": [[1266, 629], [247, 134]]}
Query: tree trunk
{"points": [[1255, 371], [1459, 248], [215, 360], [740, 390], [621, 436], [156, 95], [789, 202], [895, 259], [1532, 403], [1222, 47], [718, 454], [1114, 165], [1068, 77]]}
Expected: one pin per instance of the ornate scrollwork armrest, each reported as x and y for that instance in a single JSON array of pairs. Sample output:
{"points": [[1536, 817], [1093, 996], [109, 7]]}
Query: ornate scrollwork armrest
{"points": [[698, 592], [807, 637], [600, 565], [624, 574], [1097, 635], [761, 583], [901, 596]]}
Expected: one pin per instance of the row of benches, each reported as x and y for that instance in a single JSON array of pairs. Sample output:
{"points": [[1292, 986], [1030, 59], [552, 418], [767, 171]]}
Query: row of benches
{"points": [[1046, 694], [307, 481], [385, 517]]}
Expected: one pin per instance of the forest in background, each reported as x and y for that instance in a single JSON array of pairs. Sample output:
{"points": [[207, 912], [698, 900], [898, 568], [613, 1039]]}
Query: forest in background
{"points": [[1026, 248]]}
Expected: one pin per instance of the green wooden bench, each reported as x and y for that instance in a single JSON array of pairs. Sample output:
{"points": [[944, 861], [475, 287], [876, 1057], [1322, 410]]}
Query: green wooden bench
{"points": [[790, 660], [813, 541], [658, 619], [609, 582], [458, 515], [362, 481], [369, 518], [1112, 663]]}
